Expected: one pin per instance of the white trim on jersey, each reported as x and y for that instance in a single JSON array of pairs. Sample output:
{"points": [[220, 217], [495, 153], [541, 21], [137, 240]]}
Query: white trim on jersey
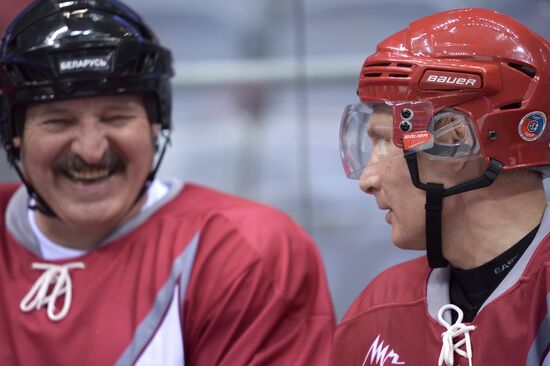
{"points": [[166, 346]]}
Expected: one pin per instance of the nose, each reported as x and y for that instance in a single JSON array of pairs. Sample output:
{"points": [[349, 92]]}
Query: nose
{"points": [[369, 182], [91, 141]]}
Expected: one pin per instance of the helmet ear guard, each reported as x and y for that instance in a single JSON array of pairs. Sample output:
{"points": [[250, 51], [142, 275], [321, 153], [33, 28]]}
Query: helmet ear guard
{"points": [[454, 137]]}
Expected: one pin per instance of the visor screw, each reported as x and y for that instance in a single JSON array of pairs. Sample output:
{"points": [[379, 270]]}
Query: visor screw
{"points": [[102, 84], [67, 87], [405, 126], [407, 113], [492, 135]]}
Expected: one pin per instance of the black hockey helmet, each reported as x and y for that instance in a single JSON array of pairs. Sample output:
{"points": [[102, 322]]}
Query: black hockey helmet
{"points": [[62, 49]]}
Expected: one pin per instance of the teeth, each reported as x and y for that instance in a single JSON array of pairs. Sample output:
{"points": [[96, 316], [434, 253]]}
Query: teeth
{"points": [[89, 174]]}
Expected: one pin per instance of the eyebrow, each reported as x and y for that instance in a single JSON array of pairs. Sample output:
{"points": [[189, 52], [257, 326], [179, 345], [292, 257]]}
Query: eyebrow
{"points": [[378, 128], [48, 108], [117, 106], [120, 106], [373, 130]]}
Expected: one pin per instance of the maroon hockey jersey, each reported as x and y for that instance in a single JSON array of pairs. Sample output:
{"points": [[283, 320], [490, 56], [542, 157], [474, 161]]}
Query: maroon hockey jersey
{"points": [[201, 278], [394, 321]]}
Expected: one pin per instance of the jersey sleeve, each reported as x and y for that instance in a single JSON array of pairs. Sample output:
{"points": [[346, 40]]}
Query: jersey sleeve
{"points": [[257, 297]]}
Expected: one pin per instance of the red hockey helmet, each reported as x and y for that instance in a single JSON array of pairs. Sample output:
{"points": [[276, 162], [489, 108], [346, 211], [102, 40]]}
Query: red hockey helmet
{"points": [[484, 69]]}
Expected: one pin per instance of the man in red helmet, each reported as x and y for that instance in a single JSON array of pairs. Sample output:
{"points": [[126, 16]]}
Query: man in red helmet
{"points": [[451, 138], [101, 263]]}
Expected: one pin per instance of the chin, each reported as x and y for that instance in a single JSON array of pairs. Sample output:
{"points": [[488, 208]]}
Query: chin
{"points": [[90, 217], [409, 242]]}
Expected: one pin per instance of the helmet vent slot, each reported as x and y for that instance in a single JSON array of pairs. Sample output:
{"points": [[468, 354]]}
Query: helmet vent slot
{"points": [[515, 105], [379, 64], [13, 73], [524, 69], [404, 65], [26, 74], [398, 75], [372, 74], [145, 63], [149, 62]]}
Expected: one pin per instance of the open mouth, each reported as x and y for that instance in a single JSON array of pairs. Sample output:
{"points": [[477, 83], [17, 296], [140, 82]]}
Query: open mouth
{"points": [[388, 216], [76, 169], [88, 175]]}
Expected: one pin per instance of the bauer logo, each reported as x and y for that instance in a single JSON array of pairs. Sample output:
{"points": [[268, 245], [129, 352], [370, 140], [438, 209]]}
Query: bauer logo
{"points": [[532, 126], [438, 80], [412, 140], [90, 63]]}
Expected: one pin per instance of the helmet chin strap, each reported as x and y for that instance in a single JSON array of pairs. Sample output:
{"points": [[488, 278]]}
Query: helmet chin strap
{"points": [[40, 204], [37, 202], [435, 193], [153, 173]]}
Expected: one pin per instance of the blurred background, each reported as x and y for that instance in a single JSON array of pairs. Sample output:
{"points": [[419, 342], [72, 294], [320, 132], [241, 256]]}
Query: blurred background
{"points": [[258, 95]]}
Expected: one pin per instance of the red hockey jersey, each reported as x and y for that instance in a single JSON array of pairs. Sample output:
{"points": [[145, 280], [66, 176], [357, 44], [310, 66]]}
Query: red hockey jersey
{"points": [[394, 320], [201, 278]]}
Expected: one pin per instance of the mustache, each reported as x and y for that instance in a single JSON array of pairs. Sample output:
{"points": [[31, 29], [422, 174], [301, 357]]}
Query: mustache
{"points": [[72, 162]]}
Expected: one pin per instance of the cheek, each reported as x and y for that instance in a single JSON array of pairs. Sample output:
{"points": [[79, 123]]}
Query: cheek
{"points": [[37, 155], [397, 174], [405, 196], [139, 148]]}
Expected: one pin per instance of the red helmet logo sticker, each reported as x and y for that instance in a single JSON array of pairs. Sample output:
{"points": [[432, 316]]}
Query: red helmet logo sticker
{"points": [[444, 80], [415, 139], [532, 126]]}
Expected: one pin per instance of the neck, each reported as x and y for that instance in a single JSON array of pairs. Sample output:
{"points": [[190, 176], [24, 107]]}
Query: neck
{"points": [[480, 225], [82, 237]]}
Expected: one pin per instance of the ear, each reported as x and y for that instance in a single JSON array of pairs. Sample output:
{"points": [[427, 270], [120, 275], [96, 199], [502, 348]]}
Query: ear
{"points": [[16, 141], [155, 132], [457, 167], [452, 135], [155, 129], [471, 168]]}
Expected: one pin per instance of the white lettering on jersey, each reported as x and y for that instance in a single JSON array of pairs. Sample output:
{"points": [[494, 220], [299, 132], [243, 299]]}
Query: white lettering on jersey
{"points": [[379, 355], [503, 267]]}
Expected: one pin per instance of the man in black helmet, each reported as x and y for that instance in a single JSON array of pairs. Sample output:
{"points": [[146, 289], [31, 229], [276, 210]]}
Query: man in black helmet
{"points": [[101, 263]]}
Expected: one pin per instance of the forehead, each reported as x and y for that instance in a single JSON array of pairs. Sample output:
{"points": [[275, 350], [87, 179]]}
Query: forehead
{"points": [[97, 104], [381, 118]]}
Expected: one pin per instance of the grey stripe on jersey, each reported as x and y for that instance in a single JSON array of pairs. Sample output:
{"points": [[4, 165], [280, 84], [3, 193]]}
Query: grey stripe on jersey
{"points": [[151, 327], [541, 341]]}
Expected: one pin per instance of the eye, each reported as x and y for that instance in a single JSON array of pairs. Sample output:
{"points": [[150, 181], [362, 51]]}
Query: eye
{"points": [[56, 122], [118, 118], [379, 136]]}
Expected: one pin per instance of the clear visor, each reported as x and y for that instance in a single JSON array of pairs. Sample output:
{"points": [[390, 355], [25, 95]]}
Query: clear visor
{"points": [[375, 133]]}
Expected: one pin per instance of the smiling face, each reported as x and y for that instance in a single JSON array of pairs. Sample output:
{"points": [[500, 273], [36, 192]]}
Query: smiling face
{"points": [[88, 158], [387, 178]]}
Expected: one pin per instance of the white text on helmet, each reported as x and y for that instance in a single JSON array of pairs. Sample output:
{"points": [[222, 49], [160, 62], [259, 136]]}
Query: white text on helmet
{"points": [[96, 63], [446, 80], [451, 80]]}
